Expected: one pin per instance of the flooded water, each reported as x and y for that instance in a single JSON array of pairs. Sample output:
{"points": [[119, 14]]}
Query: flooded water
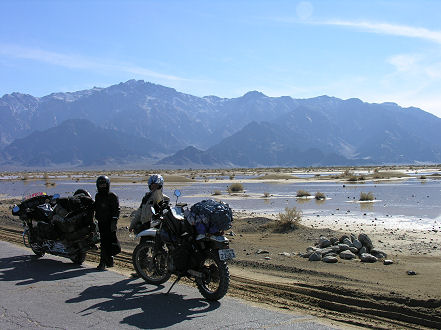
{"points": [[413, 198]]}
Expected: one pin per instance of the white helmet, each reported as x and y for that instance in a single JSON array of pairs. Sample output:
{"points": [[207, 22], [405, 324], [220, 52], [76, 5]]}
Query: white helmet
{"points": [[156, 178]]}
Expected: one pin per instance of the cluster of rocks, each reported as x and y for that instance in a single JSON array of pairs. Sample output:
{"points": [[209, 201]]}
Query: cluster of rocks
{"points": [[345, 247]]}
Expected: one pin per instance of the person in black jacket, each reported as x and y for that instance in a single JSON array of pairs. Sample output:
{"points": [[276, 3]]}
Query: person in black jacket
{"points": [[107, 213]]}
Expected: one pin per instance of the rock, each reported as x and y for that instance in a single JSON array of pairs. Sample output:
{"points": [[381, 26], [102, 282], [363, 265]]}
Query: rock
{"points": [[388, 262], [307, 254], [348, 255], [353, 237], [315, 256], [347, 241], [342, 238], [286, 254], [267, 258], [357, 244], [333, 240], [330, 259], [343, 247], [366, 257], [353, 249], [326, 251], [335, 248], [378, 253], [366, 241], [362, 250], [324, 242], [261, 251], [411, 272], [231, 233], [311, 248]]}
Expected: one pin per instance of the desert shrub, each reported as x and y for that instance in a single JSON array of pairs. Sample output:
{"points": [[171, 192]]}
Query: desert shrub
{"points": [[366, 196], [217, 192], [266, 194], [232, 177], [317, 175], [289, 220], [303, 193], [319, 195], [235, 187], [353, 178], [423, 177]]}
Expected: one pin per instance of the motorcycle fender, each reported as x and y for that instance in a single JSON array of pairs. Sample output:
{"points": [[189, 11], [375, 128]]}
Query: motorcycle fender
{"points": [[148, 232], [219, 242]]}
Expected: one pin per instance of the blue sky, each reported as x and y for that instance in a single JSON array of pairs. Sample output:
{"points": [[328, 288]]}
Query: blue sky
{"points": [[378, 51]]}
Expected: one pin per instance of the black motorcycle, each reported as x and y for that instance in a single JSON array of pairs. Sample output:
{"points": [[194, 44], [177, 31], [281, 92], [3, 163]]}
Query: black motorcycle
{"points": [[58, 226], [176, 244]]}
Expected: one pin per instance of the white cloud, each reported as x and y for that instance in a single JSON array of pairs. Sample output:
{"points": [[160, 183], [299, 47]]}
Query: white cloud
{"points": [[73, 61], [387, 28]]}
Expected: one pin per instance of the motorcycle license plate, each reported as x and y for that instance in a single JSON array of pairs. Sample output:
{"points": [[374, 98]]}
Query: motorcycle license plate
{"points": [[226, 254]]}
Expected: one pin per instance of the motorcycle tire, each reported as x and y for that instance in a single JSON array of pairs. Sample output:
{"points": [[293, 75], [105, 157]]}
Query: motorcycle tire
{"points": [[37, 251], [150, 263], [214, 285], [78, 258]]}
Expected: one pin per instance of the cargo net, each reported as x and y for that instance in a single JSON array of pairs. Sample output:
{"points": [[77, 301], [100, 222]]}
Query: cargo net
{"points": [[73, 217], [209, 216]]}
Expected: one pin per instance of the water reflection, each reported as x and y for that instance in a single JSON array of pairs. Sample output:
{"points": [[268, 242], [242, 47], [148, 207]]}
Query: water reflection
{"points": [[303, 200], [367, 207], [405, 198]]}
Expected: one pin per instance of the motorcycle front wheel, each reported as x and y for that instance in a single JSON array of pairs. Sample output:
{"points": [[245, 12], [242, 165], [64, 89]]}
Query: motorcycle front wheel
{"points": [[151, 263], [214, 284], [38, 251]]}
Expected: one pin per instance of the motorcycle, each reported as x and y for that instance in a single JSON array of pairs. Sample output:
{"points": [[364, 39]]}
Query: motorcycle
{"points": [[173, 245], [67, 231]]}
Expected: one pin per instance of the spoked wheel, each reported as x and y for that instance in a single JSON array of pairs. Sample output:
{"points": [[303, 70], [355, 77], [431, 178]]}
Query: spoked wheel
{"points": [[214, 284], [151, 263], [79, 258], [39, 252]]}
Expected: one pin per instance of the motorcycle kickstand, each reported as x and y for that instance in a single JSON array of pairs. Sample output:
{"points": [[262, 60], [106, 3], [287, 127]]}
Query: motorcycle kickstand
{"points": [[176, 281]]}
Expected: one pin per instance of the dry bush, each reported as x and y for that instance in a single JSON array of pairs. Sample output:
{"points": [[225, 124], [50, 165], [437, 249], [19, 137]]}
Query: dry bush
{"points": [[367, 196], [235, 187], [319, 195], [289, 220], [303, 193], [266, 194], [217, 192]]}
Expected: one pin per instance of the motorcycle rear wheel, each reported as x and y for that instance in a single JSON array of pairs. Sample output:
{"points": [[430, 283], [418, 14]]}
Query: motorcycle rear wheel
{"points": [[37, 251], [150, 263], [78, 258], [214, 285]]}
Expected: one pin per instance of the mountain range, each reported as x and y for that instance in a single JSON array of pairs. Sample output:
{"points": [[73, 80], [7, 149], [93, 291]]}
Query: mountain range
{"points": [[144, 123]]}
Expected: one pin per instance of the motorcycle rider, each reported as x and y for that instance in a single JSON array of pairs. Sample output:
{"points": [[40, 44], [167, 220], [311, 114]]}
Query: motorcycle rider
{"points": [[153, 197], [107, 213]]}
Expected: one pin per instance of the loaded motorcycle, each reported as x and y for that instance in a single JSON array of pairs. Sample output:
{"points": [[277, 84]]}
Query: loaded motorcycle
{"points": [[58, 226], [187, 242]]}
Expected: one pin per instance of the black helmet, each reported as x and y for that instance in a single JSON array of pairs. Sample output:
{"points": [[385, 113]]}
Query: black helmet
{"points": [[103, 184]]}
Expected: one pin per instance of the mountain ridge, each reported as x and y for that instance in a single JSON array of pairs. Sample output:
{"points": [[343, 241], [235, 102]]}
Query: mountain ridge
{"points": [[349, 131]]}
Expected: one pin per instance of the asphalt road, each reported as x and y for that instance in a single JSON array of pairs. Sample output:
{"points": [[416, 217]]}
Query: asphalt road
{"points": [[51, 292]]}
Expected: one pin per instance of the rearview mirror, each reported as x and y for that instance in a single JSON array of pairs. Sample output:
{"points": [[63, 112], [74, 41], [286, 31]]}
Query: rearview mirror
{"points": [[15, 209]]}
